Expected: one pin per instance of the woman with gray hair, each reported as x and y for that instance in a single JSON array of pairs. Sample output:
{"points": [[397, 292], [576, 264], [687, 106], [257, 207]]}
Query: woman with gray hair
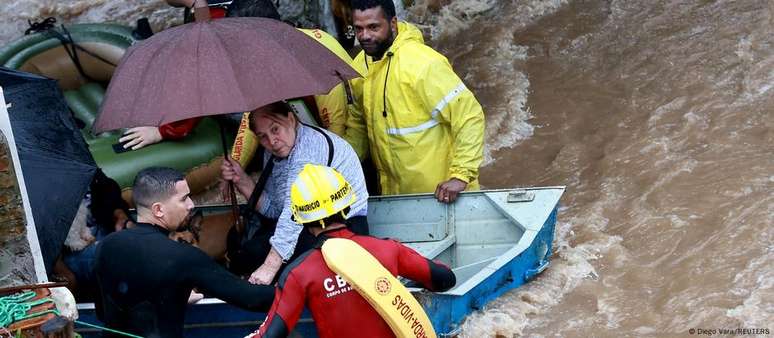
{"points": [[264, 247]]}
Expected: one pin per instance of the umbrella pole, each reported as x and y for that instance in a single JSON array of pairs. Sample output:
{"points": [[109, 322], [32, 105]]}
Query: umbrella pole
{"points": [[231, 189]]}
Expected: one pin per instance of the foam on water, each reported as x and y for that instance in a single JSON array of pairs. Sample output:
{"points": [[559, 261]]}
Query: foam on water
{"points": [[459, 15], [507, 119], [756, 283], [510, 314], [676, 163], [572, 264], [16, 13]]}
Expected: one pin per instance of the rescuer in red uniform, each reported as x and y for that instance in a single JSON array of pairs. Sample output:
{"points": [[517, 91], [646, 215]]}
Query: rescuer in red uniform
{"points": [[320, 199]]}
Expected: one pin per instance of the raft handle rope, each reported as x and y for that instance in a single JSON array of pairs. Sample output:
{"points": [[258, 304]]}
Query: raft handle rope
{"points": [[14, 308], [47, 27], [37, 27]]}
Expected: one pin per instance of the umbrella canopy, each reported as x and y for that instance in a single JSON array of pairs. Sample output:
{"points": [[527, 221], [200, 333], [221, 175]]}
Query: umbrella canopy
{"points": [[216, 67], [55, 159]]}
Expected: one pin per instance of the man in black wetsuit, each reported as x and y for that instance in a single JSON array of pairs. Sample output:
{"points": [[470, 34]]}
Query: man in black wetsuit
{"points": [[145, 278]]}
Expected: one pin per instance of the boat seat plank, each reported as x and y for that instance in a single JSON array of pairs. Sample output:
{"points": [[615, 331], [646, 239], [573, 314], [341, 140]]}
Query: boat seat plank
{"points": [[432, 249]]}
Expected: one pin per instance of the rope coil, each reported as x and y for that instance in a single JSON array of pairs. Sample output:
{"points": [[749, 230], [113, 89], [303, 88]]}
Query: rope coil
{"points": [[14, 308], [48, 28]]}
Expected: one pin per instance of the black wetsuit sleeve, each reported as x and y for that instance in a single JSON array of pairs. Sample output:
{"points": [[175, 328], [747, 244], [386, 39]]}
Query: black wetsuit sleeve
{"points": [[442, 277], [286, 310], [214, 280]]}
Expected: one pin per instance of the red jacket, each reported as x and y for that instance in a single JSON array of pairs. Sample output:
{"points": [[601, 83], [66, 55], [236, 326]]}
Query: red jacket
{"points": [[178, 129], [338, 310]]}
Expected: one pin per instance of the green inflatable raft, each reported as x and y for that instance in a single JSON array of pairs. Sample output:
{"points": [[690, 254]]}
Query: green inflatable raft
{"points": [[100, 47]]}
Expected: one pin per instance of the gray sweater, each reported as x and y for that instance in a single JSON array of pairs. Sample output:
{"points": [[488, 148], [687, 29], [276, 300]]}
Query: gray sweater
{"points": [[310, 147]]}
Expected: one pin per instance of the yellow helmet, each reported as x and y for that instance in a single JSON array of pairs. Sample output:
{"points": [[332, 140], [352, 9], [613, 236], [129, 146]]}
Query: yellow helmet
{"points": [[319, 192]]}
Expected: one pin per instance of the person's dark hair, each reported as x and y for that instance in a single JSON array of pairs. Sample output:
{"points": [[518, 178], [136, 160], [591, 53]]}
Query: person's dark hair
{"points": [[154, 184], [279, 108], [335, 218], [387, 6], [252, 9]]}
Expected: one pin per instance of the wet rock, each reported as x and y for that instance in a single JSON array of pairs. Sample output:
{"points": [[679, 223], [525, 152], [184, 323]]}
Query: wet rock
{"points": [[16, 266]]}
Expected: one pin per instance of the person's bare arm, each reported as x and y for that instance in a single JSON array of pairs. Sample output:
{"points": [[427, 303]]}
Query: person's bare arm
{"points": [[139, 137], [266, 272]]}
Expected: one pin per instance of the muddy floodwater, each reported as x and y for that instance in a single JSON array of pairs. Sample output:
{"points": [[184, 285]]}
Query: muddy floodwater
{"points": [[657, 115]]}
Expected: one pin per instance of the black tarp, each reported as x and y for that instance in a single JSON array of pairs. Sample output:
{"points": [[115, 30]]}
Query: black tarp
{"points": [[55, 159]]}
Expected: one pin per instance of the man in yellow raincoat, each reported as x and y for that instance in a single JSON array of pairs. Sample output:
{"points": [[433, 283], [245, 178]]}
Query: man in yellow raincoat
{"points": [[423, 127]]}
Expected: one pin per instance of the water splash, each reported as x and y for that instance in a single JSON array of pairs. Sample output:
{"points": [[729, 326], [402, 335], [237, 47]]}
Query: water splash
{"points": [[756, 284], [506, 122], [16, 13]]}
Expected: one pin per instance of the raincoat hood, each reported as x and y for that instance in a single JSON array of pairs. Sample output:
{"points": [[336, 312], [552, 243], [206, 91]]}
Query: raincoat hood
{"points": [[406, 33], [419, 122]]}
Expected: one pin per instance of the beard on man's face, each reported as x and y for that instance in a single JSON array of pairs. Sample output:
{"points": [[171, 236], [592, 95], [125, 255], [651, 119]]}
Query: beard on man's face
{"points": [[187, 219], [376, 49]]}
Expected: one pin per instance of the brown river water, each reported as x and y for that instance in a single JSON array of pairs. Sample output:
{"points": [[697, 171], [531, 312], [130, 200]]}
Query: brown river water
{"points": [[657, 115]]}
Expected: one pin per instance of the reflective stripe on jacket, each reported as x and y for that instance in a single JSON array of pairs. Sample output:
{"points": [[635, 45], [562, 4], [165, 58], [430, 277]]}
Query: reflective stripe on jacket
{"points": [[431, 127]]}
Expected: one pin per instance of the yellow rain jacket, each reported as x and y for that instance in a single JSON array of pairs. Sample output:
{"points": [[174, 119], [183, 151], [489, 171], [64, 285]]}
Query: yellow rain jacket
{"points": [[332, 106], [431, 127]]}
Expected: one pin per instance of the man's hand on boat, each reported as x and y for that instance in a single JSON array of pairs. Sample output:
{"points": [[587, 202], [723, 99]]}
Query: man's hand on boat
{"points": [[446, 192], [138, 137], [230, 170]]}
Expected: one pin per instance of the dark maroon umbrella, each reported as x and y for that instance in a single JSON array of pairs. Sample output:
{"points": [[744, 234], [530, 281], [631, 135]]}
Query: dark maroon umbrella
{"points": [[216, 67]]}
